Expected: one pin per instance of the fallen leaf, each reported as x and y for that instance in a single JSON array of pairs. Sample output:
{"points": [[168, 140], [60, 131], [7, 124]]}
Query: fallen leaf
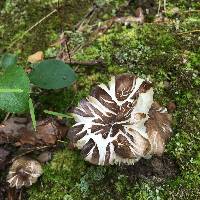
{"points": [[36, 57], [49, 131], [3, 189], [19, 131], [10, 130], [27, 138], [3, 155]]}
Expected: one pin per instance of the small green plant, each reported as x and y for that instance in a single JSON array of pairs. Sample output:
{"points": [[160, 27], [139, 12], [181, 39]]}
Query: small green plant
{"points": [[15, 85]]}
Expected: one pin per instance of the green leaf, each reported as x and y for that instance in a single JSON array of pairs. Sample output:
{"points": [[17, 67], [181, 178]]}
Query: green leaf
{"points": [[32, 112], [14, 78], [52, 74], [57, 114], [8, 60]]}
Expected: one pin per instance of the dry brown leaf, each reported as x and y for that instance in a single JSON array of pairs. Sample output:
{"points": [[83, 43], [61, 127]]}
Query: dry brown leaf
{"points": [[19, 131], [27, 138], [3, 155], [10, 130], [36, 57]]}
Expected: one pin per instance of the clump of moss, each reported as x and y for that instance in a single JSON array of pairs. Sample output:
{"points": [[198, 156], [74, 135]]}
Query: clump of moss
{"points": [[171, 62], [60, 176]]}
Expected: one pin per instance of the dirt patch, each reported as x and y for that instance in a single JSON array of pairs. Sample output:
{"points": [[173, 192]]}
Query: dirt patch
{"points": [[157, 168]]}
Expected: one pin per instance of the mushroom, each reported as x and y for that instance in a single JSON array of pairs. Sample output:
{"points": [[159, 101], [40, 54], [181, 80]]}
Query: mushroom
{"points": [[120, 123], [24, 172]]}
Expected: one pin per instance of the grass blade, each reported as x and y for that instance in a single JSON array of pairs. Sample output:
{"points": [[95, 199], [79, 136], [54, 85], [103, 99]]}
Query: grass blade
{"points": [[32, 112], [57, 114]]}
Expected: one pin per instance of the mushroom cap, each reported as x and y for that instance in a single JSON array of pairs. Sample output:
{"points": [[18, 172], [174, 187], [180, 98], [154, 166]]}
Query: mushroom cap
{"points": [[120, 123], [24, 172]]}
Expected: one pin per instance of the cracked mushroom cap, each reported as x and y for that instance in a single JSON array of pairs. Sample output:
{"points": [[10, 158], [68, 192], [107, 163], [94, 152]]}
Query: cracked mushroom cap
{"points": [[24, 172], [120, 123]]}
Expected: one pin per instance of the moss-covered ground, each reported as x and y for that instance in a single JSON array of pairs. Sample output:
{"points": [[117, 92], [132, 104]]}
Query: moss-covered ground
{"points": [[172, 62]]}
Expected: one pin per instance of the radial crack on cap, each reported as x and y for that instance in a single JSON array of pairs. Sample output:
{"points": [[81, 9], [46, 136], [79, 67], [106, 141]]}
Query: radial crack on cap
{"points": [[120, 123]]}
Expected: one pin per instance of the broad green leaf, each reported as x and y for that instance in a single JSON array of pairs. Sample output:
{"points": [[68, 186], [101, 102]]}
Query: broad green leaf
{"points": [[8, 60], [52, 74], [14, 78], [32, 112]]}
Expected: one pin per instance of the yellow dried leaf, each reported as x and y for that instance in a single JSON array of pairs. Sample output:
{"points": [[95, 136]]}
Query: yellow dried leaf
{"points": [[36, 57]]}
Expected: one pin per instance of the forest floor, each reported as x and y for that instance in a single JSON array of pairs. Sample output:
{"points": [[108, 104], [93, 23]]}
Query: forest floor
{"points": [[165, 51]]}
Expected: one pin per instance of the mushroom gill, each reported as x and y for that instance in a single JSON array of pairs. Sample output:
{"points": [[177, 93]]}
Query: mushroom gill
{"points": [[24, 172], [120, 123]]}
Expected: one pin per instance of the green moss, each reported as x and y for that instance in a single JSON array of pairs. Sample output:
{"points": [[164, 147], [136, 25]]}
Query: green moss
{"points": [[171, 62], [60, 176]]}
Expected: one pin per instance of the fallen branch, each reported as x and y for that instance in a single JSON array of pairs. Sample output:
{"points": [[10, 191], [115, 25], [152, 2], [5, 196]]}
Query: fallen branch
{"points": [[188, 11], [30, 151], [86, 63], [187, 32]]}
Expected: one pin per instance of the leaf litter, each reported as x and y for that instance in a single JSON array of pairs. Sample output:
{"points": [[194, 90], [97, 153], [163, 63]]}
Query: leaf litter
{"points": [[20, 142]]}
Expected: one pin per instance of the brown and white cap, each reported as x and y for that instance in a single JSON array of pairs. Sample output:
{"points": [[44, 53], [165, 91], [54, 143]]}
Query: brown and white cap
{"points": [[120, 123], [24, 172]]}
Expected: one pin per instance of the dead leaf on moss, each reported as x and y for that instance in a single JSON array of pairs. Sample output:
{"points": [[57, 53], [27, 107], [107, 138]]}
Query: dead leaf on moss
{"points": [[10, 130], [27, 137], [49, 131], [3, 155], [36, 57], [19, 131]]}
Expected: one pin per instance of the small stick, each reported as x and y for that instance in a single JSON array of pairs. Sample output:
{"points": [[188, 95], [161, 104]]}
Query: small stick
{"points": [[188, 11], [159, 5], [30, 151], [164, 4], [90, 12], [193, 31], [88, 63], [32, 27], [6, 117]]}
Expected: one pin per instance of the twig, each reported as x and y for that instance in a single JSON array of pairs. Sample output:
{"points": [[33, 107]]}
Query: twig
{"points": [[164, 4], [30, 151], [159, 6], [61, 141], [68, 52], [32, 27], [188, 11], [106, 25], [87, 63], [6, 117], [93, 36], [87, 19], [88, 14], [193, 31]]}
